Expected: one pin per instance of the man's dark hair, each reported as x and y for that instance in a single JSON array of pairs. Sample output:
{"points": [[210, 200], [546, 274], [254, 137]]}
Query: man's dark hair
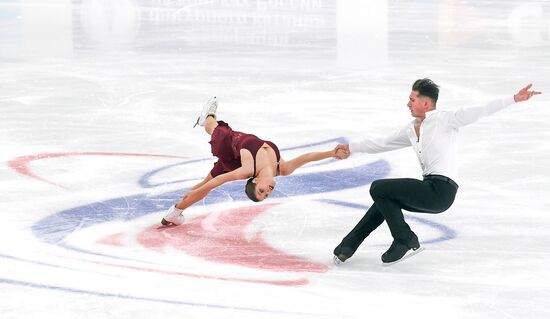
{"points": [[428, 88], [250, 190]]}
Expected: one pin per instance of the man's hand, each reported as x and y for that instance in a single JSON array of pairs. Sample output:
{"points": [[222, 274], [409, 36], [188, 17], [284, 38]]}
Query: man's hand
{"points": [[341, 151], [524, 94]]}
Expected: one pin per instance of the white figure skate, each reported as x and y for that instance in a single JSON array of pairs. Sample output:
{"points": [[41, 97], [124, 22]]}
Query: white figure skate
{"points": [[174, 217], [208, 109]]}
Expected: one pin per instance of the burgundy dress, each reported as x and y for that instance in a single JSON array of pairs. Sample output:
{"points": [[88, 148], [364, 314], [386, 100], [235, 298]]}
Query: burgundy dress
{"points": [[226, 145]]}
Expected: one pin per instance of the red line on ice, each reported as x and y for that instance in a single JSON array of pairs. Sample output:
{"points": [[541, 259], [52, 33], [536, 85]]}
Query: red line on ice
{"points": [[21, 164], [292, 282]]}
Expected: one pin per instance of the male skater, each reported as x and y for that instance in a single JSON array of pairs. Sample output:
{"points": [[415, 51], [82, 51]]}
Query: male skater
{"points": [[433, 136]]}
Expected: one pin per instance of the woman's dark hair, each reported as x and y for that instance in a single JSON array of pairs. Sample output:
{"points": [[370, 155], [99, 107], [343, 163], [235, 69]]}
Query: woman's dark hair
{"points": [[428, 88], [250, 190]]}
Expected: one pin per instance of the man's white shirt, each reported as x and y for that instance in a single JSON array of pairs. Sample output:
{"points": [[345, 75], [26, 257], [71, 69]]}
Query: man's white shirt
{"points": [[437, 146]]}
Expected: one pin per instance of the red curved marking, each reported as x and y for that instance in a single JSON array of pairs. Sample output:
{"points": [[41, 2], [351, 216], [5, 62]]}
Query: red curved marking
{"points": [[296, 282], [21, 164], [291, 282], [226, 241]]}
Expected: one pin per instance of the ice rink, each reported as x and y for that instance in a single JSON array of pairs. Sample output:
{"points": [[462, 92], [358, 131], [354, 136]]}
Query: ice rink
{"points": [[97, 103]]}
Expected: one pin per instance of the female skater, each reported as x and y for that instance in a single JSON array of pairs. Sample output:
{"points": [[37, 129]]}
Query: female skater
{"points": [[240, 156]]}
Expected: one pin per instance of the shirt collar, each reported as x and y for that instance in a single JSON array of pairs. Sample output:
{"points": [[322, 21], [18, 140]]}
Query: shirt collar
{"points": [[430, 113]]}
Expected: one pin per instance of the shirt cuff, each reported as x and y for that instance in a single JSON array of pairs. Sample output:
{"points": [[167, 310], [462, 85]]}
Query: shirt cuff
{"points": [[354, 147], [508, 100]]}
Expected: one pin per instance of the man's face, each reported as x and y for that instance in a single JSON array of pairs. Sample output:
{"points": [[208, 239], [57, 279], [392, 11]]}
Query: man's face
{"points": [[418, 105]]}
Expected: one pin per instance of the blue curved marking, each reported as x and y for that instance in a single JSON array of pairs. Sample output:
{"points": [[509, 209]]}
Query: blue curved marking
{"points": [[145, 183], [93, 253], [446, 232], [55, 228], [144, 180], [40, 263], [129, 297]]}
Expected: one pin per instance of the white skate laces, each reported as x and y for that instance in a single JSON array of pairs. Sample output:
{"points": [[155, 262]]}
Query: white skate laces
{"points": [[208, 109], [173, 217]]}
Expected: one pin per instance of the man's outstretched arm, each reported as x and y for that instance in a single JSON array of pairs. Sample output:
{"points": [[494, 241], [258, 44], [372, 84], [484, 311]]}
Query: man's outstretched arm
{"points": [[397, 140], [465, 116]]}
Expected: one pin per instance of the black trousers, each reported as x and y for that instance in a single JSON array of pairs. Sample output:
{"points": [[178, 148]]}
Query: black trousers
{"points": [[433, 195]]}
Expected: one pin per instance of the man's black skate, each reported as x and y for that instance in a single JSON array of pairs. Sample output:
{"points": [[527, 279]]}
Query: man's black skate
{"points": [[398, 249], [341, 254]]}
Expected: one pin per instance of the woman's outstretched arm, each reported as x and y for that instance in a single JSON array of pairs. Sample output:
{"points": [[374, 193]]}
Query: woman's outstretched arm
{"points": [[200, 191], [204, 181], [288, 167]]}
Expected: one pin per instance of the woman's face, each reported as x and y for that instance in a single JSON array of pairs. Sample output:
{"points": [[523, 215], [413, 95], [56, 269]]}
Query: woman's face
{"points": [[264, 187]]}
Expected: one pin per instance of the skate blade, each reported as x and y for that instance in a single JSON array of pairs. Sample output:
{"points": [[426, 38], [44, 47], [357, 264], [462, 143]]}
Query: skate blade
{"points": [[409, 254], [339, 259], [197, 123], [166, 223]]}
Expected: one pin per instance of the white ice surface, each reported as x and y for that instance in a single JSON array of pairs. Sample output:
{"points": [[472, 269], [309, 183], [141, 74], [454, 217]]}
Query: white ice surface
{"points": [[129, 76]]}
